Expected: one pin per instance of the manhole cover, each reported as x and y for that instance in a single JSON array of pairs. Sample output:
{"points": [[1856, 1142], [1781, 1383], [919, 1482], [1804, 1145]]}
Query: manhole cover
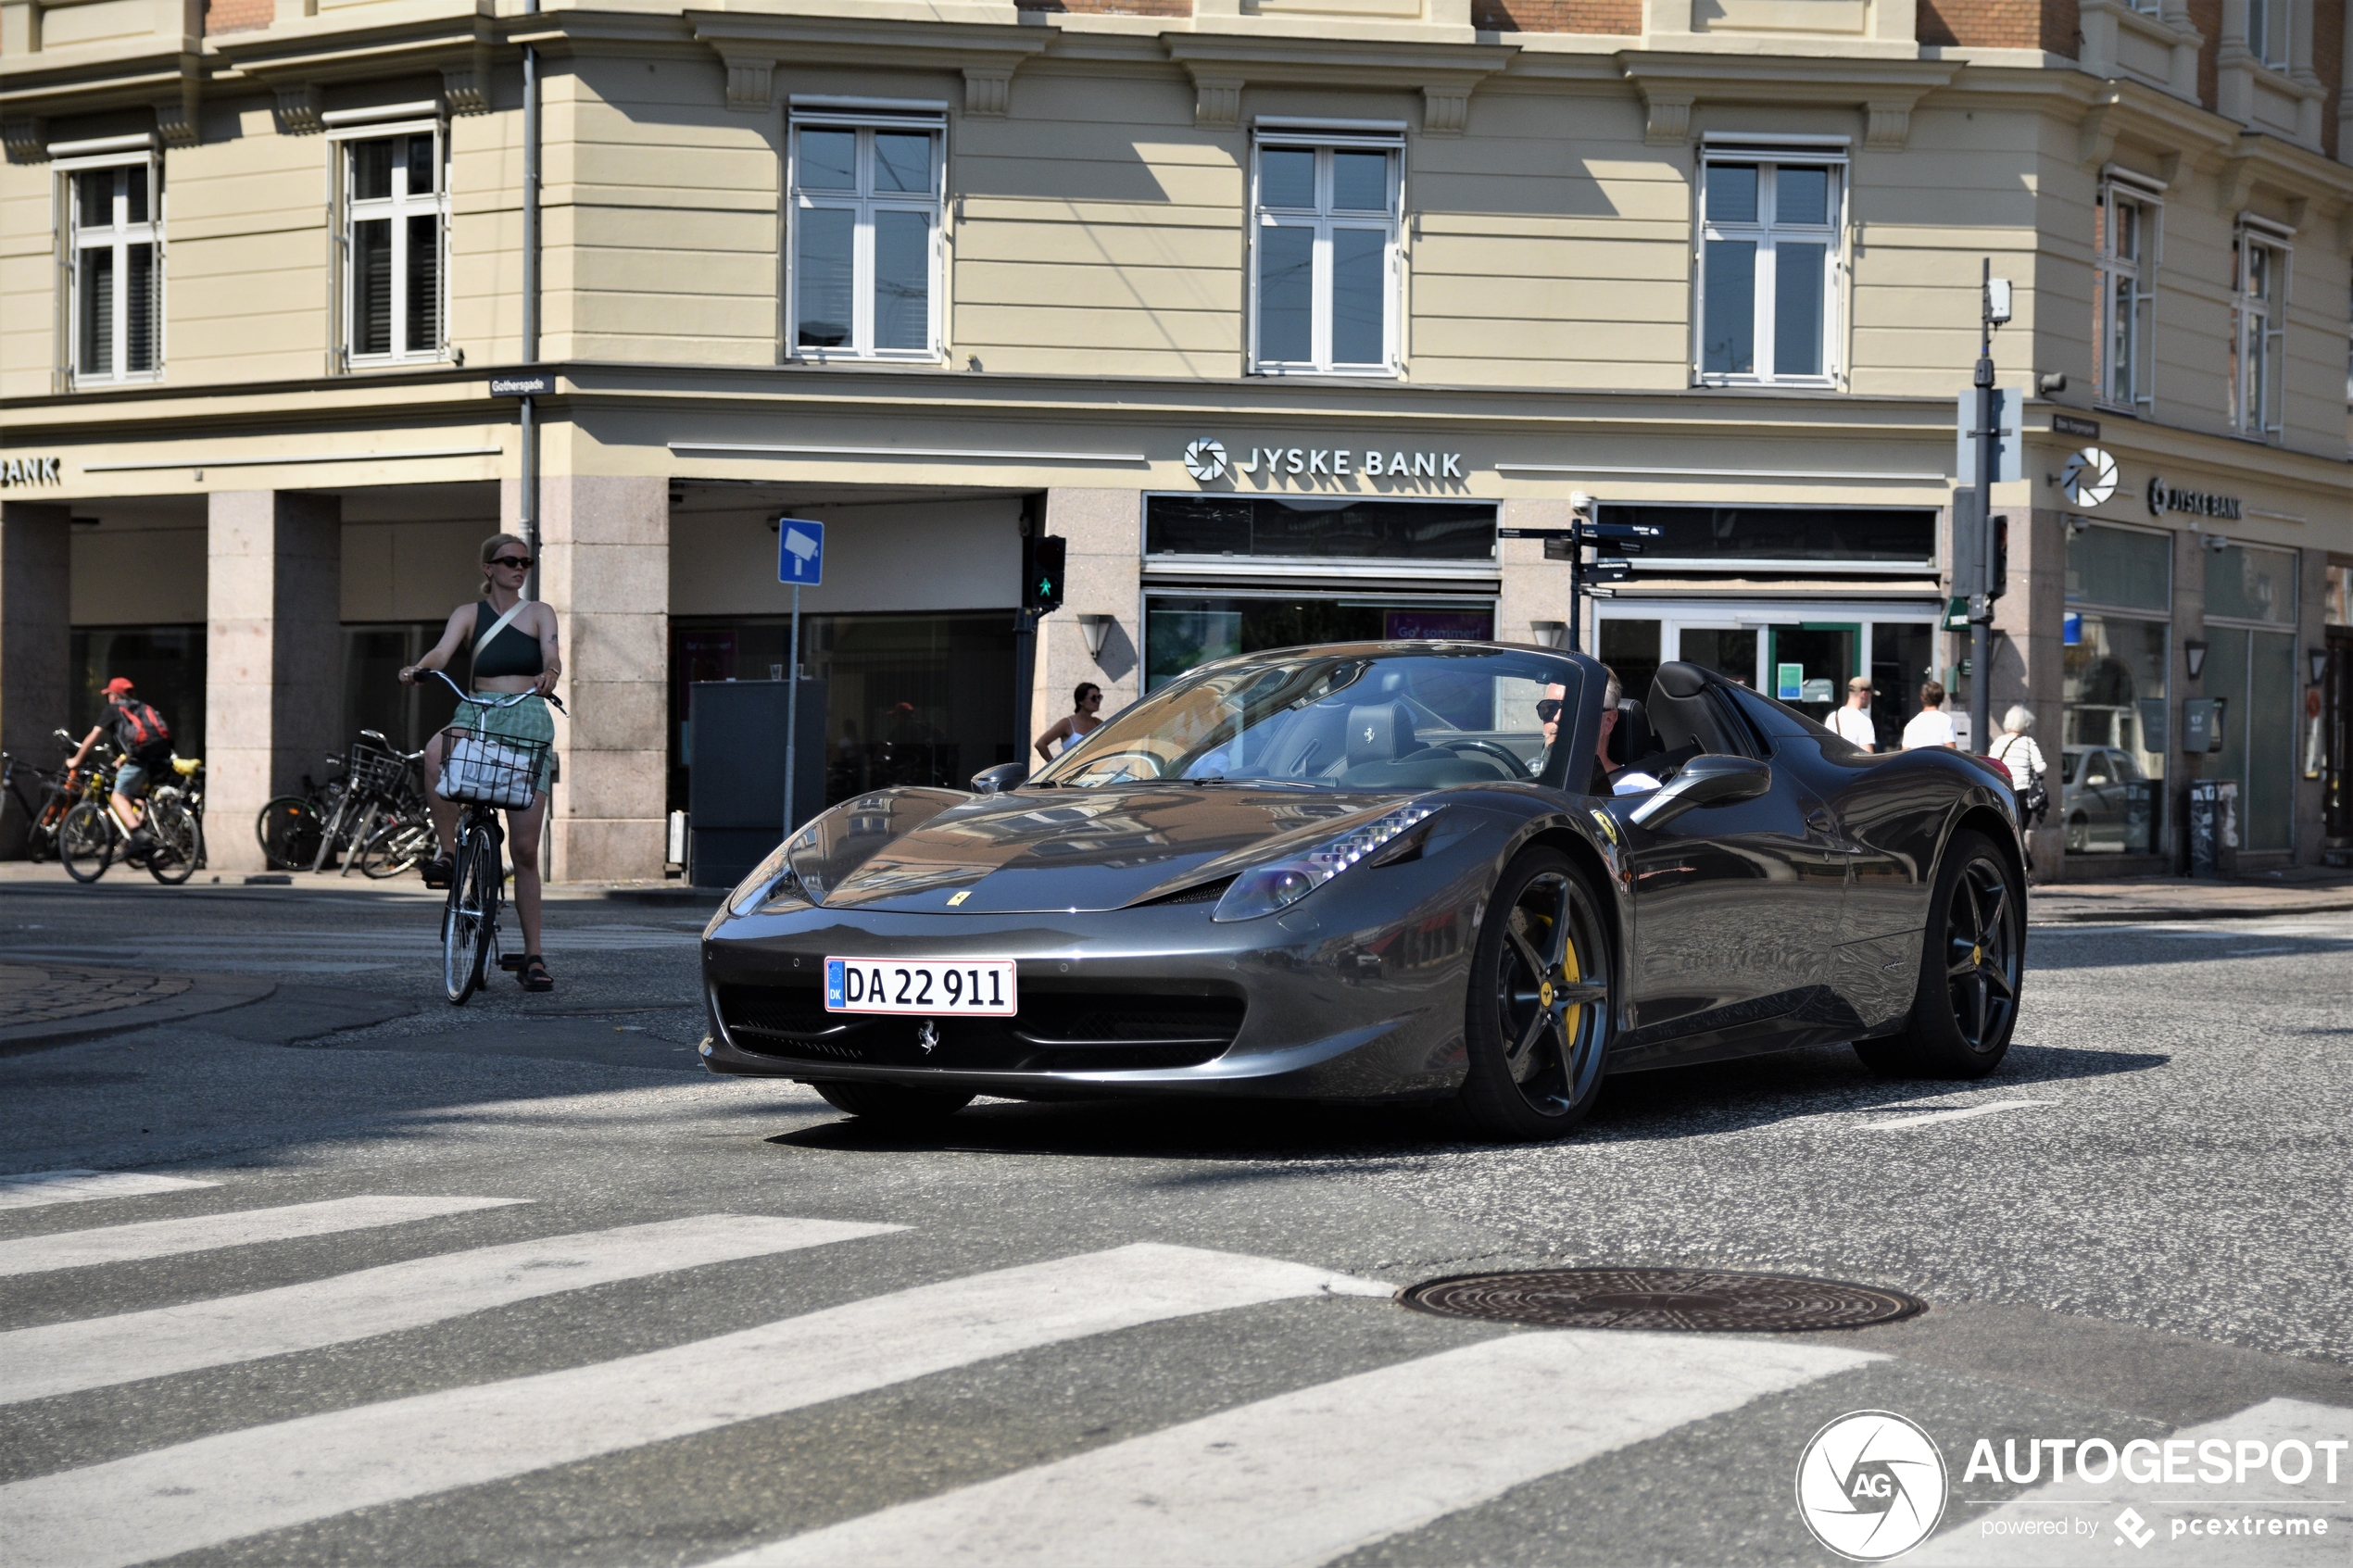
{"points": [[1661, 1300]]}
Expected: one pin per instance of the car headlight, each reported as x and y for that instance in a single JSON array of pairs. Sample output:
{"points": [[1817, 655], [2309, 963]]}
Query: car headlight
{"points": [[1280, 884], [770, 880]]}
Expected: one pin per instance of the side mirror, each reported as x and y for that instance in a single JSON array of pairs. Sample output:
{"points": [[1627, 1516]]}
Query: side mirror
{"points": [[1002, 777], [1709, 780]]}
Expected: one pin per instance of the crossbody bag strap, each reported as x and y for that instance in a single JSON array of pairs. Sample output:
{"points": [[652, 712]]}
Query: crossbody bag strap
{"points": [[498, 625]]}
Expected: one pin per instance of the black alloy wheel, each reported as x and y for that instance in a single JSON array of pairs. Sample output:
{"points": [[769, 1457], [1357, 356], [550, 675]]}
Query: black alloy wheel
{"points": [[1538, 1018], [893, 1104], [1972, 965], [86, 842]]}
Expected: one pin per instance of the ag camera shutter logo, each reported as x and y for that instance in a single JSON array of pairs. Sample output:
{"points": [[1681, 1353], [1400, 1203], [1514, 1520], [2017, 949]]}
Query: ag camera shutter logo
{"points": [[1205, 459], [1872, 1486], [2089, 478]]}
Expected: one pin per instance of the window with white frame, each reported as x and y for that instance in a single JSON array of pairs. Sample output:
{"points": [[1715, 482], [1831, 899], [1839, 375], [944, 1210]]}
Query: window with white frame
{"points": [[115, 257], [1324, 272], [2259, 310], [394, 238], [2126, 227], [2269, 23], [866, 198], [1769, 263]]}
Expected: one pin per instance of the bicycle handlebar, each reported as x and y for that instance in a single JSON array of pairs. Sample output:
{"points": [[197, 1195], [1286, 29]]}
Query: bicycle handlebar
{"points": [[507, 699]]}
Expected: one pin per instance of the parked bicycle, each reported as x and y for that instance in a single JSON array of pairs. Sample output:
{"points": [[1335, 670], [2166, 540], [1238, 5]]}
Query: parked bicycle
{"points": [[93, 835], [483, 774], [53, 790], [291, 827]]}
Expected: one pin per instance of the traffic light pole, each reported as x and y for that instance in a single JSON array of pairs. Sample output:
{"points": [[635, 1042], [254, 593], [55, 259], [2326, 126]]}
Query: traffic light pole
{"points": [[1981, 601], [792, 706]]}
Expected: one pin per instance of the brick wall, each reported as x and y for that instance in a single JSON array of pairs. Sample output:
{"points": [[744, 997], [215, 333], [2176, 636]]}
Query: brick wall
{"points": [[238, 16], [2048, 25], [2207, 16], [1621, 18]]}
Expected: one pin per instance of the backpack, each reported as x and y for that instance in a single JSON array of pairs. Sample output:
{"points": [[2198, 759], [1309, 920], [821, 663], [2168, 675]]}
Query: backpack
{"points": [[143, 734]]}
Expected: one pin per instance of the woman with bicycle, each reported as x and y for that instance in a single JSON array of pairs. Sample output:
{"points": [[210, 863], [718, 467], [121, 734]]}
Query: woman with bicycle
{"points": [[516, 652]]}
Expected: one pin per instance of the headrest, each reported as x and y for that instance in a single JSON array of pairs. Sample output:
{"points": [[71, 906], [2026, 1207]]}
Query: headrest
{"points": [[1680, 680], [1379, 733]]}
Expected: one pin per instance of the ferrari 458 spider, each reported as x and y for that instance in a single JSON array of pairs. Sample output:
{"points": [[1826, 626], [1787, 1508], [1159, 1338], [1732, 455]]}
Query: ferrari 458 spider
{"points": [[1385, 870]]}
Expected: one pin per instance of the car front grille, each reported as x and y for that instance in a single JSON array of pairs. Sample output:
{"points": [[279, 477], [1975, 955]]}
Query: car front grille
{"points": [[1055, 1031]]}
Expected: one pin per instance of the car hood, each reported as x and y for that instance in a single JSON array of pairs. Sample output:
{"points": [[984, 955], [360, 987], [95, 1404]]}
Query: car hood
{"points": [[1042, 851]]}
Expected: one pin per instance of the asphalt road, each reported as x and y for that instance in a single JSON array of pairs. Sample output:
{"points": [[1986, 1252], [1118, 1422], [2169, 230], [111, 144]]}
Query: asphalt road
{"points": [[364, 1278]]}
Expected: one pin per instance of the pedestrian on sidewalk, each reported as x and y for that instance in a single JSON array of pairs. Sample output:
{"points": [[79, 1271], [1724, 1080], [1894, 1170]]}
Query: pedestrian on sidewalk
{"points": [[1853, 722], [1932, 725], [1084, 719], [2016, 751]]}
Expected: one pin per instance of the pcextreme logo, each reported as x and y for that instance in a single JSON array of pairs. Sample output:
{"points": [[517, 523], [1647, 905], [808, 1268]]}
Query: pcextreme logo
{"points": [[1872, 1486]]}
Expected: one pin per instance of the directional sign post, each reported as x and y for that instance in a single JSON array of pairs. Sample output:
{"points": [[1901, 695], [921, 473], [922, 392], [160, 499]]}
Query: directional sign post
{"points": [[1569, 545], [801, 562]]}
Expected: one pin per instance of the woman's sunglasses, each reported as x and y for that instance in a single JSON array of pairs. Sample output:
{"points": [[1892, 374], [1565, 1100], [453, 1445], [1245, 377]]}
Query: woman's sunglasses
{"points": [[512, 563], [1548, 710]]}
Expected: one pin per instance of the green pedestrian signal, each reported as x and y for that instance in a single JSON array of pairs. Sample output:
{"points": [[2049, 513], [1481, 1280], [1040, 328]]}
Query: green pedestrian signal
{"points": [[1042, 589]]}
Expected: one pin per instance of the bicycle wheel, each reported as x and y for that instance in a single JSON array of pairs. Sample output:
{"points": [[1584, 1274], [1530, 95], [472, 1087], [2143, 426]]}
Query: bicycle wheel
{"points": [[179, 839], [395, 848], [466, 923], [288, 830], [86, 842]]}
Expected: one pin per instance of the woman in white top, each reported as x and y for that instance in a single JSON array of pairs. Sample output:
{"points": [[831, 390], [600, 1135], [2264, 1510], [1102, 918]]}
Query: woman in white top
{"points": [[1084, 719], [1853, 722], [2016, 751]]}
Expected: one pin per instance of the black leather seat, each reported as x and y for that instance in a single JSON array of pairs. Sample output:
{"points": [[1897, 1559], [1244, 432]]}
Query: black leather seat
{"points": [[1380, 733]]}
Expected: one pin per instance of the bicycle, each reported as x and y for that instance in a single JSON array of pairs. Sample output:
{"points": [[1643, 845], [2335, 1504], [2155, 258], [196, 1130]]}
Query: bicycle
{"points": [[291, 827], [57, 789], [375, 777], [94, 834], [484, 774]]}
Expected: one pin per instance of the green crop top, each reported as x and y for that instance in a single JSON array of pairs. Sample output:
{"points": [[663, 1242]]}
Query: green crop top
{"points": [[513, 652]]}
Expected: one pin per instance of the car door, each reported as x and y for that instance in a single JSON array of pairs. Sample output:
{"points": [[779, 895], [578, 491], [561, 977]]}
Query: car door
{"points": [[1735, 905]]}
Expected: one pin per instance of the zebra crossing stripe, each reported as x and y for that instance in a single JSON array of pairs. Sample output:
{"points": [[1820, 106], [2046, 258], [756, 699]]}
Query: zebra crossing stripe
{"points": [[215, 1489], [99, 1352], [1309, 1476], [40, 1188], [2011, 1531], [243, 1227]]}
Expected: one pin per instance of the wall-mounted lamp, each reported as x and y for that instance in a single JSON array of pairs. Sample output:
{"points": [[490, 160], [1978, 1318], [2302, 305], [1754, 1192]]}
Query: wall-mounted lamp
{"points": [[1098, 631], [1550, 633], [2077, 524], [2317, 658], [1581, 503], [2194, 653], [2216, 542]]}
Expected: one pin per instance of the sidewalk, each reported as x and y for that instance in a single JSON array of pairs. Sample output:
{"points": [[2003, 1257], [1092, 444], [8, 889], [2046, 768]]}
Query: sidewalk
{"points": [[48, 1004], [2304, 891], [48, 875]]}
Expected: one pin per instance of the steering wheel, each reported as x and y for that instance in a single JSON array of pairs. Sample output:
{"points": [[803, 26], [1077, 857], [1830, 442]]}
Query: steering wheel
{"points": [[1519, 768]]}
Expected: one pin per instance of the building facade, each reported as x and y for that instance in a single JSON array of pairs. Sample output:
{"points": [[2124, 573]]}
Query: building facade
{"points": [[1285, 314]]}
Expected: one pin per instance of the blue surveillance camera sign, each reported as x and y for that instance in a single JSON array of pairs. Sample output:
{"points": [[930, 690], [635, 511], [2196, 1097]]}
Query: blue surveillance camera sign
{"points": [[800, 553]]}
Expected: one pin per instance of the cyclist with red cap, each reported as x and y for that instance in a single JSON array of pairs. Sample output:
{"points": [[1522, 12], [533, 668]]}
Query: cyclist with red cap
{"points": [[145, 741]]}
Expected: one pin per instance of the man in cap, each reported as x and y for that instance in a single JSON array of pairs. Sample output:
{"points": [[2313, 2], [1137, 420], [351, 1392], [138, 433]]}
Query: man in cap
{"points": [[1853, 722], [145, 741]]}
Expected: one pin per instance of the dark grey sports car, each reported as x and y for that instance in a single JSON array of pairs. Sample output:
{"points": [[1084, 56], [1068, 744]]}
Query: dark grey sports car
{"points": [[1385, 870]]}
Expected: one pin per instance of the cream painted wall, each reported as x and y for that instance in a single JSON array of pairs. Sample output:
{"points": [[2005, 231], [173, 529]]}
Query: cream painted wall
{"points": [[246, 253], [943, 554], [409, 570], [132, 576]]}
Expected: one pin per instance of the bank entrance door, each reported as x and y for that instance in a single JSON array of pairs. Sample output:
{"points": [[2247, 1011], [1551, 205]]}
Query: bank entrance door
{"points": [[1804, 655]]}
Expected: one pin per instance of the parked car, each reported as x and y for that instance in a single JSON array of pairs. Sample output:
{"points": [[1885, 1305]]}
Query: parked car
{"points": [[2104, 800]]}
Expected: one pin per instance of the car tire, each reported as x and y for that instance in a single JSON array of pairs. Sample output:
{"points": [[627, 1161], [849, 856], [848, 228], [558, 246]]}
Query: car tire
{"points": [[892, 1103], [1972, 964], [1538, 1018]]}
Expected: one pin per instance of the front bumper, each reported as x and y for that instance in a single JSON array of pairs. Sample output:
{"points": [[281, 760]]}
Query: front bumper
{"points": [[1333, 999]]}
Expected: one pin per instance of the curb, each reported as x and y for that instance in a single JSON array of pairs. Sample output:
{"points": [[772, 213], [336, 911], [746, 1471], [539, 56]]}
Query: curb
{"points": [[206, 993], [2178, 912]]}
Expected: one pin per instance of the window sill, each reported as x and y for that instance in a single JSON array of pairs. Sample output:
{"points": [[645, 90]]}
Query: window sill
{"points": [[1309, 372], [2121, 411], [1781, 383], [845, 356], [394, 362], [109, 384]]}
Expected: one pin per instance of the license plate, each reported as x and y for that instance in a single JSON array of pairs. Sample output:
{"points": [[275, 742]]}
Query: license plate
{"points": [[935, 987]]}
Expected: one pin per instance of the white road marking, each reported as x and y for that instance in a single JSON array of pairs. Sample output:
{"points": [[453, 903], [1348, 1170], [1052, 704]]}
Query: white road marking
{"points": [[243, 1227], [41, 1188], [219, 1489], [1995, 1534], [1964, 1114], [98, 1352], [1307, 1477]]}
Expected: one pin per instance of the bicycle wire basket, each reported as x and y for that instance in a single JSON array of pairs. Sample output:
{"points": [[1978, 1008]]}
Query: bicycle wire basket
{"points": [[374, 769], [487, 769]]}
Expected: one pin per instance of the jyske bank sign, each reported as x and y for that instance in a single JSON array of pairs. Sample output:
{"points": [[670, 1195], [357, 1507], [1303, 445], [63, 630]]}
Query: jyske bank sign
{"points": [[1208, 462]]}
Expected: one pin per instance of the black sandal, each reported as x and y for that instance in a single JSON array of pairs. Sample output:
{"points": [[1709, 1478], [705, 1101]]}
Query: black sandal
{"points": [[533, 973], [439, 871]]}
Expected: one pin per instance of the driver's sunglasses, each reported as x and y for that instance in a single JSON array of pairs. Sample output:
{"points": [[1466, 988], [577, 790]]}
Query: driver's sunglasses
{"points": [[1548, 710], [512, 563]]}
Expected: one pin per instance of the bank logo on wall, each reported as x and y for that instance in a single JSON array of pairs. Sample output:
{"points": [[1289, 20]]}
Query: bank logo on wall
{"points": [[1872, 1486], [2089, 478], [1205, 459]]}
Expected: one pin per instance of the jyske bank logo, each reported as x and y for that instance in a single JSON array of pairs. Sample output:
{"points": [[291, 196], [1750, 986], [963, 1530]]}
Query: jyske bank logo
{"points": [[1205, 459], [1872, 1486]]}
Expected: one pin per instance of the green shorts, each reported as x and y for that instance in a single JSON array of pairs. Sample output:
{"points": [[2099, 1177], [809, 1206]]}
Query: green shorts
{"points": [[527, 720]]}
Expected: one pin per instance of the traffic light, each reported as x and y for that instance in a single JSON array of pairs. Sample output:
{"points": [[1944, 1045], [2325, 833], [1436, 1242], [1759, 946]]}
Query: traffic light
{"points": [[1041, 579], [1997, 572]]}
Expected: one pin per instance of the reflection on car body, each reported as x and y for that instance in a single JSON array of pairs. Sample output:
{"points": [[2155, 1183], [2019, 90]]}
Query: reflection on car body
{"points": [[1367, 872]]}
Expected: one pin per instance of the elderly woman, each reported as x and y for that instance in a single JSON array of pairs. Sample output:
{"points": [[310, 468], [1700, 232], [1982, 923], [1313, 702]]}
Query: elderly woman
{"points": [[2016, 751]]}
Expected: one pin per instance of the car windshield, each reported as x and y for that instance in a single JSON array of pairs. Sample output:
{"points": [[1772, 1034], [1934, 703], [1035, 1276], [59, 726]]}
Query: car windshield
{"points": [[1332, 718], [2067, 760]]}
